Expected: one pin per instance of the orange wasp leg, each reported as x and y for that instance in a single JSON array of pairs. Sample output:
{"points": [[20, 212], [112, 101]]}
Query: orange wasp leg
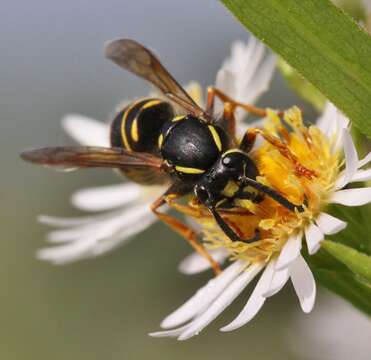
{"points": [[186, 231], [229, 107], [248, 141]]}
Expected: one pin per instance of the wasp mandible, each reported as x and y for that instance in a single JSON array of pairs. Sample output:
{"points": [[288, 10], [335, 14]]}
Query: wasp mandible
{"points": [[193, 153]]}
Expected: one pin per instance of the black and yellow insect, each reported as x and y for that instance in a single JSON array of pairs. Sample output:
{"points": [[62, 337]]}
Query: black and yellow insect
{"points": [[192, 152]]}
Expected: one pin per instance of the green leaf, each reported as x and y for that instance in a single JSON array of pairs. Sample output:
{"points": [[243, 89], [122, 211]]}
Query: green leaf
{"points": [[336, 277], [357, 234], [357, 262], [302, 87], [322, 43], [342, 264], [348, 286]]}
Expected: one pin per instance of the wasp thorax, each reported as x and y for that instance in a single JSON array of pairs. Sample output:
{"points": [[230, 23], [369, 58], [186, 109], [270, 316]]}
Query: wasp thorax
{"points": [[191, 146]]}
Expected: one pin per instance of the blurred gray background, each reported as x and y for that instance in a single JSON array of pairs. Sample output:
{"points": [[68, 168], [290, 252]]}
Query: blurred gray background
{"points": [[52, 64]]}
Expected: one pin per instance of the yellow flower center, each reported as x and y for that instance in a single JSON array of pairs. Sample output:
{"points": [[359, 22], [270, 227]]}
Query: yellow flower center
{"points": [[301, 164]]}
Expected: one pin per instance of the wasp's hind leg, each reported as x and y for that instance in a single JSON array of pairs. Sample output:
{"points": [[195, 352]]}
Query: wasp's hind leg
{"points": [[213, 92], [184, 230], [227, 121], [230, 106]]}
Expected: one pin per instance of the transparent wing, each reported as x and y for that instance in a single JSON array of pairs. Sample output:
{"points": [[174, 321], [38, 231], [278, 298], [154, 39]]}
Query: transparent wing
{"points": [[137, 59], [67, 157]]}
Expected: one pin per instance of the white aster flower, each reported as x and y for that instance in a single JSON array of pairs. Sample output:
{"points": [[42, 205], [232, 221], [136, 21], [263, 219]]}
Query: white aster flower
{"points": [[245, 76], [124, 209], [322, 148]]}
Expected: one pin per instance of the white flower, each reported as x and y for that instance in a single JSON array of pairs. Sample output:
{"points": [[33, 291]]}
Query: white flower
{"points": [[287, 263], [245, 76], [125, 207]]}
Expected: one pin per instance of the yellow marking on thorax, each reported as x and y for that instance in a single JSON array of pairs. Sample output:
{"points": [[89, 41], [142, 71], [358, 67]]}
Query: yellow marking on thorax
{"points": [[150, 104], [189, 170], [178, 118], [134, 130], [160, 141], [216, 137]]}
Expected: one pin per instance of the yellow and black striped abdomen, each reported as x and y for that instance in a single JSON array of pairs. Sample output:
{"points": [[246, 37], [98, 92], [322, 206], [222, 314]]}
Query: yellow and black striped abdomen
{"points": [[139, 124], [137, 128]]}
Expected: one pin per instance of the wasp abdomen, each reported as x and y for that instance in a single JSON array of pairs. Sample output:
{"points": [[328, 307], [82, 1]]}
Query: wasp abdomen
{"points": [[136, 128], [138, 125]]}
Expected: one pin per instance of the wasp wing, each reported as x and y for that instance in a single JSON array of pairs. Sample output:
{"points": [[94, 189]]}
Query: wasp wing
{"points": [[137, 59], [70, 157]]}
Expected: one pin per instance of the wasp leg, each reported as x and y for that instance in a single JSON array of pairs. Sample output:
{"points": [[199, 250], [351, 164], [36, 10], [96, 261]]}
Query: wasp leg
{"points": [[187, 232], [228, 110], [272, 193], [213, 92], [248, 141], [228, 230]]}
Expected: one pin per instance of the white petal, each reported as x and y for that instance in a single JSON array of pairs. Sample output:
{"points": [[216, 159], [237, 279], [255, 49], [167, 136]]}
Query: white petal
{"points": [[365, 160], [88, 240], [329, 224], [123, 235], [304, 284], [203, 297], [222, 302], [332, 122], [106, 197], [279, 279], [255, 301], [341, 120], [352, 197], [362, 175], [246, 74], [325, 121], [169, 333], [195, 263], [63, 254], [351, 160], [63, 222], [71, 234], [259, 84], [313, 236], [289, 252], [86, 131]]}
